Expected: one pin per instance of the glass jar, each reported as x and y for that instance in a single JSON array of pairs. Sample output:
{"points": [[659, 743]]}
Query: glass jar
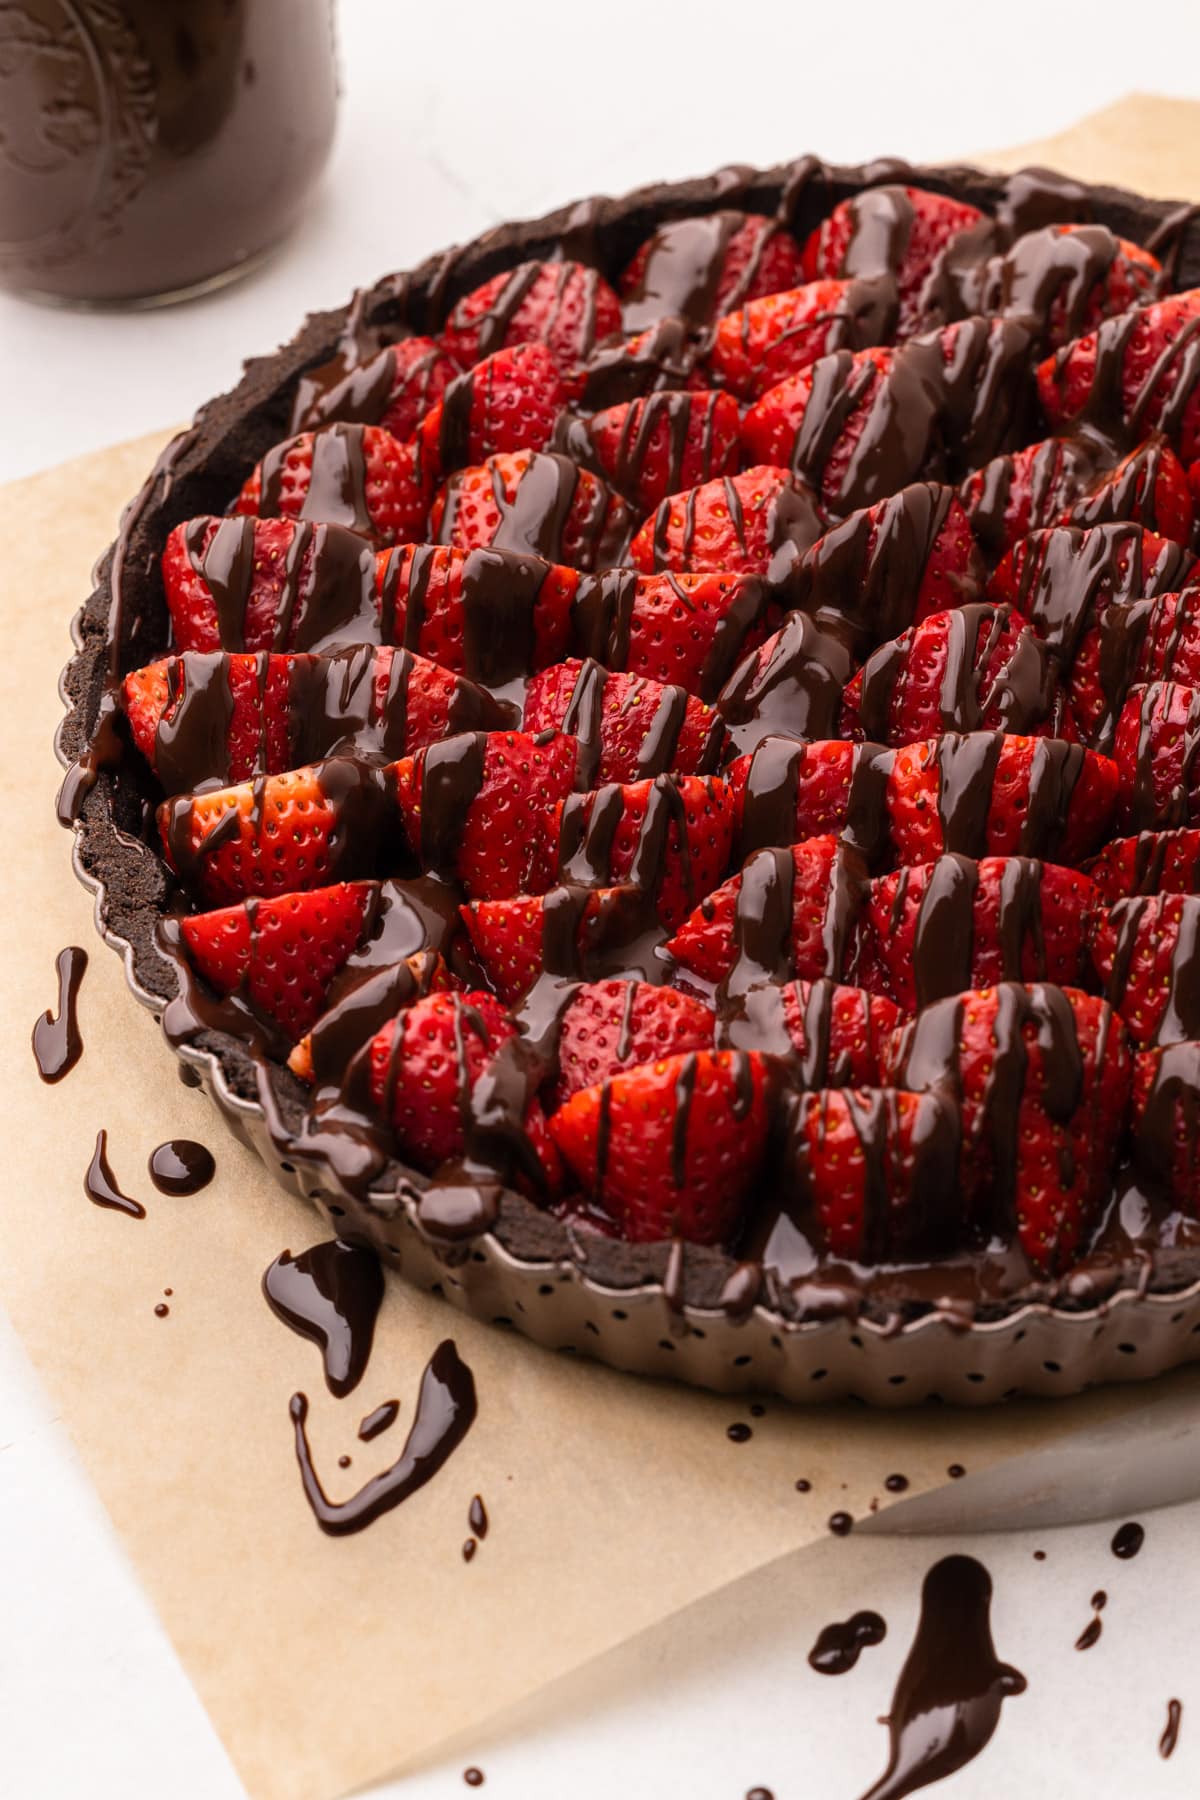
{"points": [[153, 148]]}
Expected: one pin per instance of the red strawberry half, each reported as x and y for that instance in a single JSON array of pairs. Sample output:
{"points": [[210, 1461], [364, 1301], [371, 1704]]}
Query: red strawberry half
{"points": [[1041, 1077], [564, 305], [613, 1025], [277, 835], [1136, 371], [1153, 862], [480, 808], [780, 334], [787, 914], [493, 615], [1149, 486], [976, 667], [568, 934], [1155, 750], [898, 231], [699, 268], [941, 927], [831, 1035], [358, 476], [1146, 953], [629, 727], [986, 793], [1166, 1115], [421, 373], [1137, 642], [785, 791], [535, 503], [671, 1147], [509, 401], [757, 523], [281, 954], [1027, 490], [680, 630], [653, 446], [670, 837]]}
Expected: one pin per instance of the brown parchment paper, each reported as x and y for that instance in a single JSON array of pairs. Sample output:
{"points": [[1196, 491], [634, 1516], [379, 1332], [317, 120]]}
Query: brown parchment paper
{"points": [[613, 1502]]}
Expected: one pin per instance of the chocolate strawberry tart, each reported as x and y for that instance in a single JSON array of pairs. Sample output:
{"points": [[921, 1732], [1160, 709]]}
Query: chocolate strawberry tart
{"points": [[650, 765]]}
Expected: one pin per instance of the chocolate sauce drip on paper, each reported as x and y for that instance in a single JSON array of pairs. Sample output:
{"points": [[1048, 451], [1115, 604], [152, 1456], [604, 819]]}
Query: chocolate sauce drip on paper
{"points": [[332, 1294], [840, 1644], [446, 1407], [57, 1045], [1128, 1540], [1170, 1735], [379, 1421], [949, 1693], [181, 1166], [100, 1184]]}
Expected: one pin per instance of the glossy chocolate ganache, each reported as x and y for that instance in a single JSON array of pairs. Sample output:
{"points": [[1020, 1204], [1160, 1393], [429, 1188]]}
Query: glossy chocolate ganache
{"points": [[931, 548]]}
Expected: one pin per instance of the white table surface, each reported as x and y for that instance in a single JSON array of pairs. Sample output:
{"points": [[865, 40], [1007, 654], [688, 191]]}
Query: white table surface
{"points": [[540, 107]]}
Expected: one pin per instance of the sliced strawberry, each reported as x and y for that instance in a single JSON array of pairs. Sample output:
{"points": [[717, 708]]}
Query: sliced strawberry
{"points": [[570, 933], [890, 565], [564, 305], [703, 266], [976, 667], [653, 446], [1137, 372], [1145, 953], [1137, 642], [1155, 750], [480, 808], [424, 1066], [841, 390], [421, 373], [281, 954], [793, 684], [509, 401], [1066, 277], [757, 523], [536, 503], [671, 837], [670, 1148], [662, 356], [347, 1024], [358, 476], [1041, 1075], [899, 231], [266, 584], [199, 716], [1149, 486], [1027, 490], [831, 1035], [938, 928], [494, 615], [870, 1171], [1165, 1118], [614, 1025], [629, 727], [787, 914], [1064, 579], [1153, 862], [780, 334], [680, 630], [985, 793], [277, 835], [785, 791]]}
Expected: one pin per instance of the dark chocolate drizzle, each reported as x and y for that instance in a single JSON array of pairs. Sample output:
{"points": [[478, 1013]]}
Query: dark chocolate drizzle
{"points": [[181, 1166], [331, 1294], [446, 1407], [839, 1645], [337, 488], [57, 1044], [950, 1691], [100, 1184]]}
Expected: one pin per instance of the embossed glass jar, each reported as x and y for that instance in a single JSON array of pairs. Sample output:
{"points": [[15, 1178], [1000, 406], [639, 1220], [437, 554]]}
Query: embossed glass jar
{"points": [[152, 148]]}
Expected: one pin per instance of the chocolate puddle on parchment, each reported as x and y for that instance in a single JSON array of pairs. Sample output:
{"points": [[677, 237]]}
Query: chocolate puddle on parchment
{"points": [[57, 1045], [100, 1184], [840, 1644], [949, 1693], [181, 1166], [331, 1294]]}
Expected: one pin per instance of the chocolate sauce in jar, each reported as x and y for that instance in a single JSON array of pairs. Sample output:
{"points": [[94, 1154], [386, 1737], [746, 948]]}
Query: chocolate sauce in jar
{"points": [[154, 147], [57, 1045]]}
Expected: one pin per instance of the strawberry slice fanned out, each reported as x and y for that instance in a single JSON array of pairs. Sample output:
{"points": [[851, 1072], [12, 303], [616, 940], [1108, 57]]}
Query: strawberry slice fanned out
{"points": [[1137, 372], [532, 502], [1156, 749], [671, 1147], [671, 837], [493, 615], [987, 793], [279, 834], [1146, 952], [614, 1025], [509, 401], [481, 808], [940, 927], [267, 584], [564, 305], [657, 444], [281, 954], [1040, 1077], [787, 914], [230, 717], [757, 523], [780, 334], [358, 476], [977, 667], [568, 934], [785, 791], [629, 727], [681, 630]]}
